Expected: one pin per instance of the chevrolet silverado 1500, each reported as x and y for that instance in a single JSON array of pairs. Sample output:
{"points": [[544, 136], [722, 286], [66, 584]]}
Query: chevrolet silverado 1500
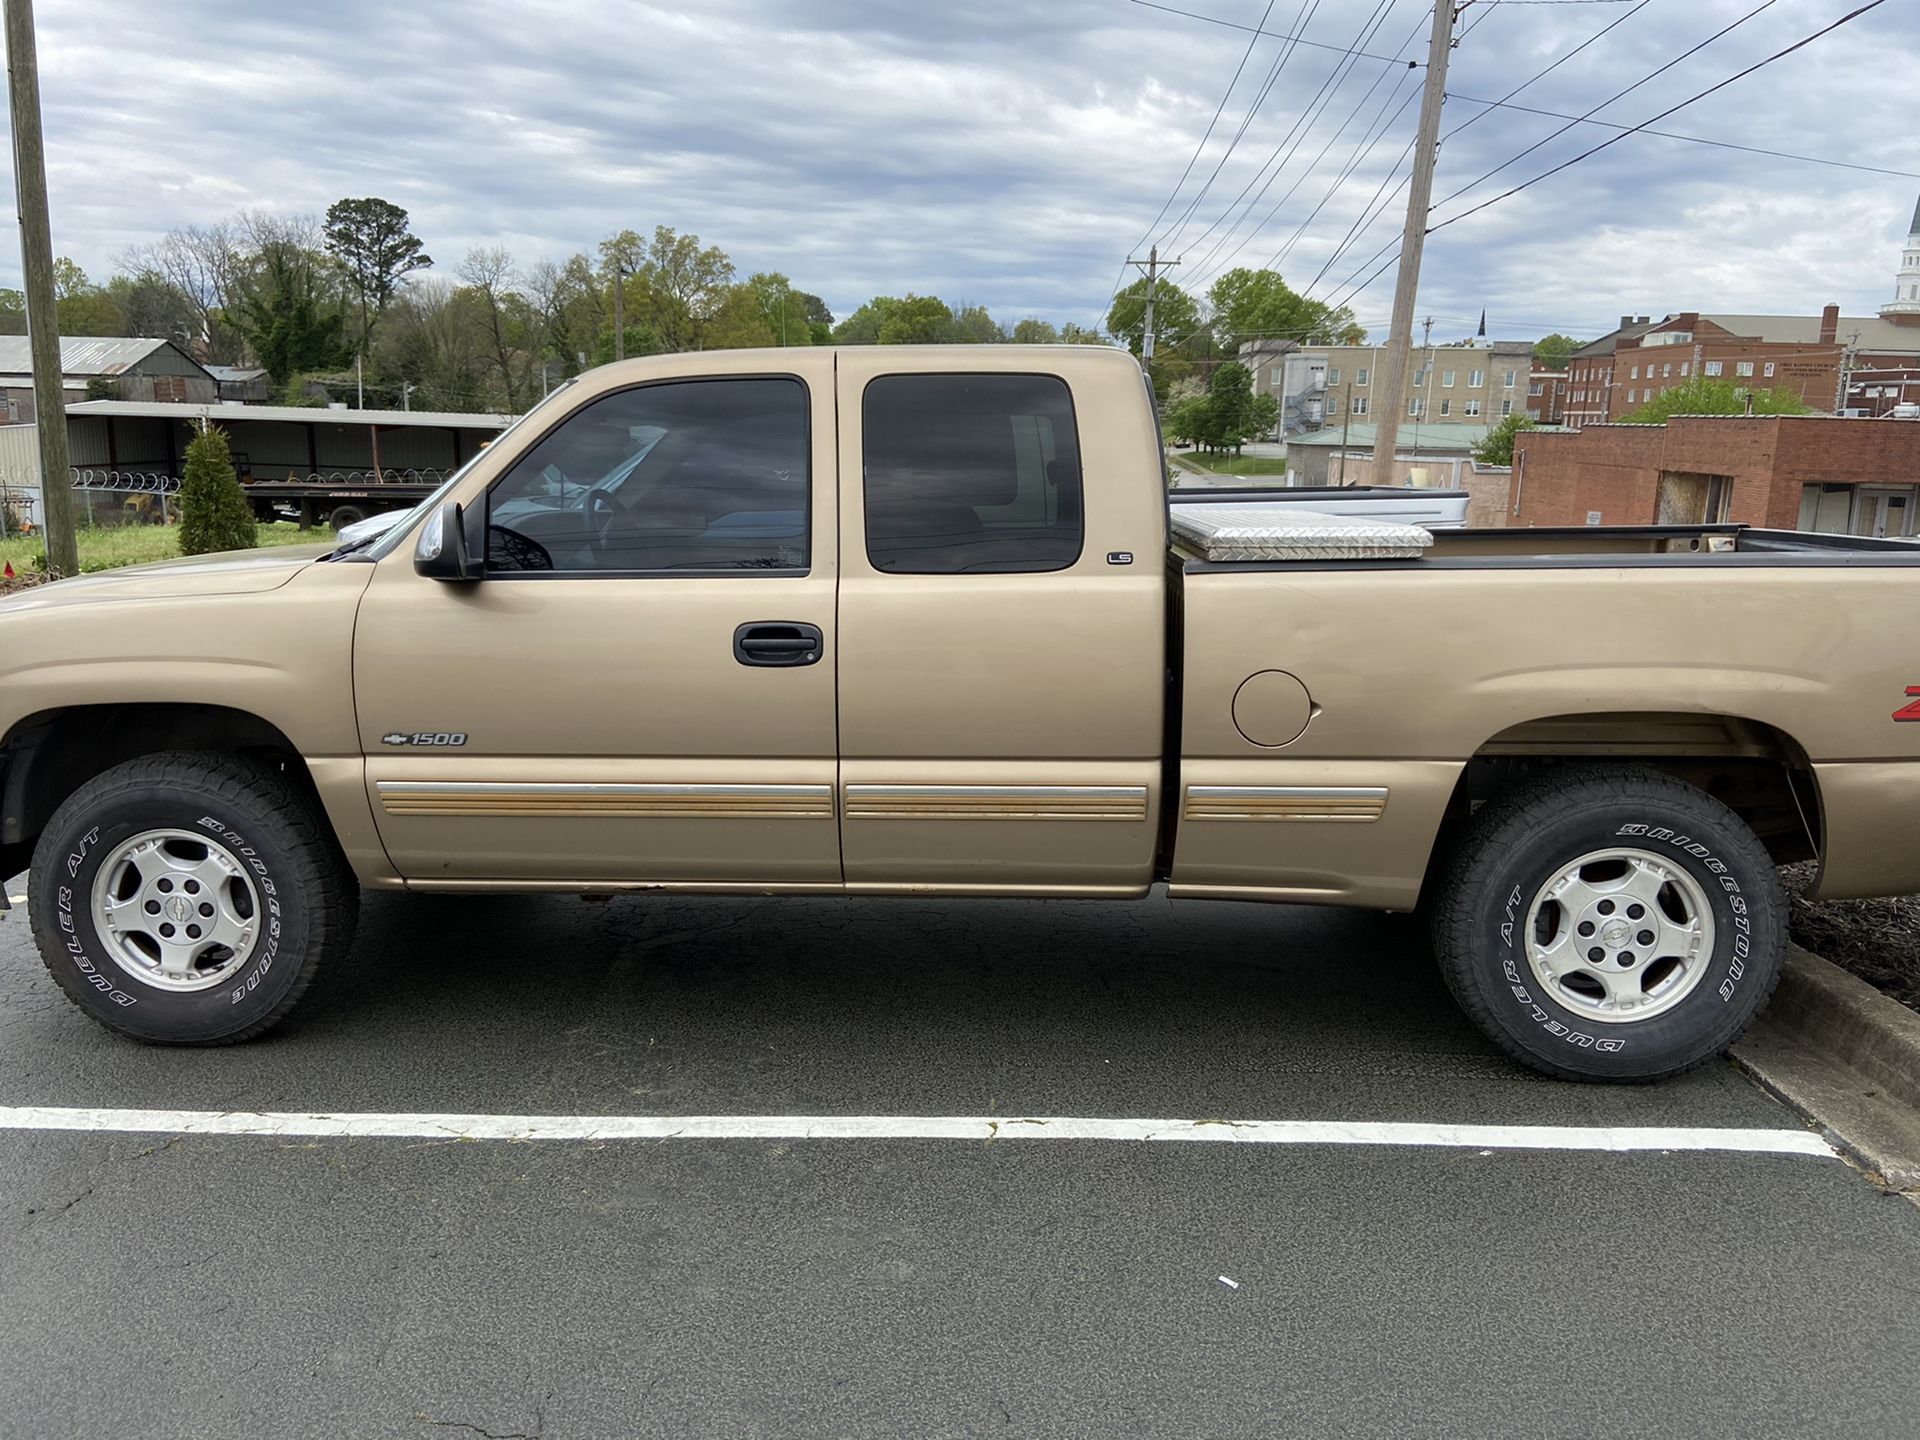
{"points": [[901, 621]]}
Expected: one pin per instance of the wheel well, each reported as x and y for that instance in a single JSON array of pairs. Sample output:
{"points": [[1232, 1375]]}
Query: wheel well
{"points": [[1758, 772], [48, 756]]}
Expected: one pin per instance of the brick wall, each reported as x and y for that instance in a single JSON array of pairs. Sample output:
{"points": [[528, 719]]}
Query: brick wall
{"points": [[1559, 478]]}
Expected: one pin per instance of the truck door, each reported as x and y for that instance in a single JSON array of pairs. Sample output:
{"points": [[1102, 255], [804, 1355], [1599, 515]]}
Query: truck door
{"points": [[641, 687], [1001, 622]]}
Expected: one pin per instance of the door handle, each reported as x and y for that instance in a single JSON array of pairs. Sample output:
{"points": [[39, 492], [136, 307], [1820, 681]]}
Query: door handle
{"points": [[777, 642]]}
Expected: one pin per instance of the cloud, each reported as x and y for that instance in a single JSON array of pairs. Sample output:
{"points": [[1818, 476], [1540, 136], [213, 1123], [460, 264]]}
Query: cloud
{"points": [[1001, 152]]}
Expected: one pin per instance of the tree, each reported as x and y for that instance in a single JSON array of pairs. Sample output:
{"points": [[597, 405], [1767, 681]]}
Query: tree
{"points": [[685, 284], [1035, 332], [1258, 304], [287, 319], [1497, 448], [972, 325], [1704, 395], [897, 320], [787, 311], [1229, 419], [1551, 352], [1264, 415], [1185, 418], [1175, 314], [214, 513], [206, 266], [371, 240]]}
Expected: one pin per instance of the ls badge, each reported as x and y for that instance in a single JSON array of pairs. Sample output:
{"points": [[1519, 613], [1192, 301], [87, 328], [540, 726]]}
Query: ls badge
{"points": [[422, 737]]}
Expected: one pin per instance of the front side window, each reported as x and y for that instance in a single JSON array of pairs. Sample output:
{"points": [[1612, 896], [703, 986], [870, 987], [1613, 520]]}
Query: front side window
{"points": [[686, 476], [971, 474]]}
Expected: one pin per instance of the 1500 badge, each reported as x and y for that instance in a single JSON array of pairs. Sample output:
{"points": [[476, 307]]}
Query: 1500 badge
{"points": [[423, 737]]}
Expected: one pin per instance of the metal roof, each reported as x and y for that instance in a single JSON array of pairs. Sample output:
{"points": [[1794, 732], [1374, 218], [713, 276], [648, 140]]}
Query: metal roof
{"points": [[232, 373], [1875, 333], [85, 354], [227, 414]]}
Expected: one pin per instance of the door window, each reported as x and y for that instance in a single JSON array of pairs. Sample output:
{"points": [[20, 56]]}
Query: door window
{"points": [[970, 474], [695, 475]]}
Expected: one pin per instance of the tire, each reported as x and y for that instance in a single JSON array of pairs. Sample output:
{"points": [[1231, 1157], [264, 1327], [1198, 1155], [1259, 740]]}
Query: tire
{"points": [[134, 841], [1660, 853], [345, 515]]}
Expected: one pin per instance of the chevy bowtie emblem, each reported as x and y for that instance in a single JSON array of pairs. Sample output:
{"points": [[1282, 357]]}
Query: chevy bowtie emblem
{"points": [[394, 739]]}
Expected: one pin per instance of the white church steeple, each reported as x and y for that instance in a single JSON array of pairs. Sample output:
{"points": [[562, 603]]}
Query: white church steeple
{"points": [[1906, 288]]}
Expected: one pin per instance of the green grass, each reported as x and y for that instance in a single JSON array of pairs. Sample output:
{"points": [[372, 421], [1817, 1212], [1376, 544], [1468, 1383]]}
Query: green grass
{"points": [[139, 544], [1234, 464]]}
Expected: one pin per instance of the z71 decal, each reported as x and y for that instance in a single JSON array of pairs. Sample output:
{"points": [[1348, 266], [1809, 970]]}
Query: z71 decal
{"points": [[1911, 710]]}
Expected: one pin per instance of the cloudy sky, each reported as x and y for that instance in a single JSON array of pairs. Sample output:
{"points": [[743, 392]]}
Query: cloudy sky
{"points": [[1011, 152]]}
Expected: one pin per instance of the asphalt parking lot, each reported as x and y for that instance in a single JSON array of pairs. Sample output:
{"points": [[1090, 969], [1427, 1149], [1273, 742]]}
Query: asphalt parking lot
{"points": [[216, 1285]]}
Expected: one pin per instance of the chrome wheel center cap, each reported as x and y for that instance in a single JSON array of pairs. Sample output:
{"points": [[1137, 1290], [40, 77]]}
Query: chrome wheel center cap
{"points": [[1614, 935]]}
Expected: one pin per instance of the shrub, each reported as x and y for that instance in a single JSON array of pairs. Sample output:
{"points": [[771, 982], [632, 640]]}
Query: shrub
{"points": [[214, 511]]}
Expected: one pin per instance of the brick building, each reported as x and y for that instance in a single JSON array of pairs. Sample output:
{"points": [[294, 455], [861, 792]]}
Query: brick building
{"points": [[1786, 472], [1617, 374], [1547, 397]]}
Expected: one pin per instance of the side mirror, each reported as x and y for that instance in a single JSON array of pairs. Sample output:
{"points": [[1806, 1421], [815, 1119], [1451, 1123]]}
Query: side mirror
{"points": [[441, 551]]}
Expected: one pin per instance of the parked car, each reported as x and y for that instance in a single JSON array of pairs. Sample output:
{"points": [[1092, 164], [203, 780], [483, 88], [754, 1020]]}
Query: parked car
{"points": [[921, 621]]}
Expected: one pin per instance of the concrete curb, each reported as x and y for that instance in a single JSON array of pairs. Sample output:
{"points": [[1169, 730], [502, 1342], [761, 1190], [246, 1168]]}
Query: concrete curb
{"points": [[1848, 1058], [1848, 1019]]}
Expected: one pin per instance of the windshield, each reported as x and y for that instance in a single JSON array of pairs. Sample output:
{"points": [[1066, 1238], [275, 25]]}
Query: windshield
{"points": [[394, 538]]}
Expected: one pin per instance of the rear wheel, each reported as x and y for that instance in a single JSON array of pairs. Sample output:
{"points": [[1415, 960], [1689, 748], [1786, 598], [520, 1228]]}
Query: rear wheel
{"points": [[1610, 925], [188, 899]]}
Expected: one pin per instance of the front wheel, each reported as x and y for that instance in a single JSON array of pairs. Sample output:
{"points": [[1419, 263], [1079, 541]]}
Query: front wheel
{"points": [[188, 899], [1611, 924]]}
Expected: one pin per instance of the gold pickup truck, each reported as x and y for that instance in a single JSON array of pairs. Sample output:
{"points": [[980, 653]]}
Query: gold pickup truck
{"points": [[903, 621]]}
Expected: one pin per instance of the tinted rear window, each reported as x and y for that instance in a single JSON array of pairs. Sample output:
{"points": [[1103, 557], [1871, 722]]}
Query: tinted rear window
{"points": [[971, 474]]}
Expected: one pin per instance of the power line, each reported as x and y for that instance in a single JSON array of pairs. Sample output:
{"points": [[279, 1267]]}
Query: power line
{"points": [[1800, 44], [1218, 111], [1764, 5], [1308, 8], [1555, 114], [1257, 30], [1346, 63], [1690, 139], [1358, 228]]}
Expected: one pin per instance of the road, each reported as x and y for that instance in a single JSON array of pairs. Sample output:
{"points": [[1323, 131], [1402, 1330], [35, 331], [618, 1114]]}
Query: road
{"points": [[161, 1285]]}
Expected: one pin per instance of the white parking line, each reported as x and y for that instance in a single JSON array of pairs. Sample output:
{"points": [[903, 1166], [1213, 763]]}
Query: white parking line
{"points": [[374, 1125]]}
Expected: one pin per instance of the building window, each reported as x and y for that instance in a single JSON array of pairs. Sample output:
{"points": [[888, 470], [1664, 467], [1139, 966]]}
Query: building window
{"points": [[1360, 375], [970, 474], [1630, 397], [1712, 367], [1510, 379], [1533, 389], [1769, 370], [1413, 407], [1476, 378], [1473, 407], [1506, 408], [1743, 367], [1446, 407], [1446, 379], [1420, 378], [1359, 404], [1666, 370], [1333, 405], [1634, 374], [1333, 375], [1279, 376]]}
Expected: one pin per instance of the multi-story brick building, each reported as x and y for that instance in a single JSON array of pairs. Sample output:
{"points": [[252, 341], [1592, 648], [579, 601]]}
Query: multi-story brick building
{"points": [[1806, 472], [1547, 397], [1617, 374], [1475, 383]]}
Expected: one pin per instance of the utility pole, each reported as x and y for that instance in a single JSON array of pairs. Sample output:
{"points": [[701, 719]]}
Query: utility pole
{"points": [[1153, 265], [406, 395], [359, 384], [36, 264], [1346, 429], [619, 324], [1413, 241]]}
